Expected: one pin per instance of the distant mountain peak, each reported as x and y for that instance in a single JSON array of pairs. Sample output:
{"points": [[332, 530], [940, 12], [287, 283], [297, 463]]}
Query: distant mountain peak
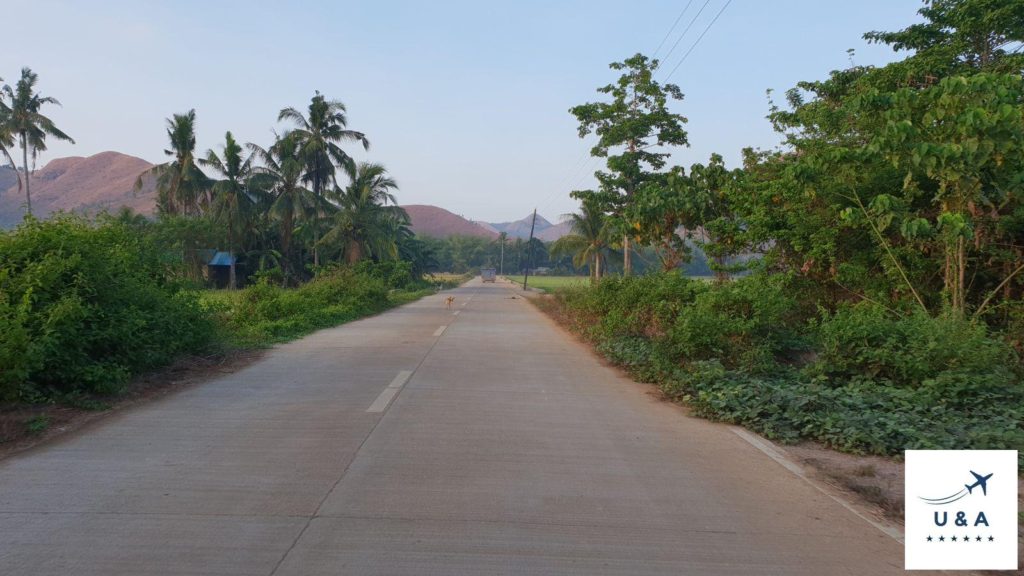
{"points": [[103, 181], [437, 222]]}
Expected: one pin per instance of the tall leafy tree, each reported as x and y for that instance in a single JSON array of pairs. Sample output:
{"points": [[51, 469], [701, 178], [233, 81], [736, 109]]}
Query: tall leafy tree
{"points": [[319, 134], [957, 37], [26, 122], [633, 130], [588, 242], [181, 186], [233, 203], [367, 223]]}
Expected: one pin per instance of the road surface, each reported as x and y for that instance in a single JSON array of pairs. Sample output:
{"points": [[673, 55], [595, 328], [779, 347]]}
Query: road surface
{"points": [[480, 440]]}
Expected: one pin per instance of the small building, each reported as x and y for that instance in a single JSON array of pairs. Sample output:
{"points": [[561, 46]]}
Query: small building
{"points": [[218, 269]]}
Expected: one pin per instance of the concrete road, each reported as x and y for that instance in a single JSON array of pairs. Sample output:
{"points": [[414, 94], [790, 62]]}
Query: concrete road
{"points": [[481, 440]]}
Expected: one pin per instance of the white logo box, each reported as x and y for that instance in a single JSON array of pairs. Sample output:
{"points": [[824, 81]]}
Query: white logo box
{"points": [[961, 510]]}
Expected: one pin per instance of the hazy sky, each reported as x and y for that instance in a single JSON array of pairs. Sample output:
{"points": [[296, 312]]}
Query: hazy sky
{"points": [[465, 102]]}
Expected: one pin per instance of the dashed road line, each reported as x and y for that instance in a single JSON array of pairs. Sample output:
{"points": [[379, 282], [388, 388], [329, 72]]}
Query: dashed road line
{"points": [[389, 393]]}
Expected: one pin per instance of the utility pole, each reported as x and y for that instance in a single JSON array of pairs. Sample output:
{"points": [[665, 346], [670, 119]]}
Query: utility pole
{"points": [[529, 253]]}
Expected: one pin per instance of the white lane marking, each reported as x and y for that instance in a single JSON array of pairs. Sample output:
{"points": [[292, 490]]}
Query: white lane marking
{"points": [[401, 379], [770, 451], [440, 331], [456, 313], [389, 393], [383, 400]]}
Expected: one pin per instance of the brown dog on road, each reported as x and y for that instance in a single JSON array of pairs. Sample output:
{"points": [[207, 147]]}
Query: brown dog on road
{"points": [[449, 301]]}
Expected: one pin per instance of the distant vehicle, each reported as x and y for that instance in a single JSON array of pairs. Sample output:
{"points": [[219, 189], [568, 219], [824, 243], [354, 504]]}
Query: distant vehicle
{"points": [[488, 274]]}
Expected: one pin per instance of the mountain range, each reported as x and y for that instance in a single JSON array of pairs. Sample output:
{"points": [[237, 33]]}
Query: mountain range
{"points": [[105, 181]]}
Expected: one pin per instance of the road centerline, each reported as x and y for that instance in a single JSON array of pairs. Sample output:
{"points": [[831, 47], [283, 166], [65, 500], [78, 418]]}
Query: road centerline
{"points": [[389, 393]]}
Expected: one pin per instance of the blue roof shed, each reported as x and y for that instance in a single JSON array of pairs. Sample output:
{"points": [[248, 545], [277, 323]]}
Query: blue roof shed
{"points": [[222, 259]]}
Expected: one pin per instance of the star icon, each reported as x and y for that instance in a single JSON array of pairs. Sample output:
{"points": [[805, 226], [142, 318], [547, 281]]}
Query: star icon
{"points": [[929, 538], [967, 538], [978, 538], [991, 538], [942, 538], [953, 538]]}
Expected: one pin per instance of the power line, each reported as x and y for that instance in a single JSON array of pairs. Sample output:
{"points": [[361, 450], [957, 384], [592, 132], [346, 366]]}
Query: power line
{"points": [[710, 24], [669, 33], [688, 26]]}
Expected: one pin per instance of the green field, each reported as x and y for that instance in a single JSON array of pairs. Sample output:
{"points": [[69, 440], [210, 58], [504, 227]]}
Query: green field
{"points": [[550, 283]]}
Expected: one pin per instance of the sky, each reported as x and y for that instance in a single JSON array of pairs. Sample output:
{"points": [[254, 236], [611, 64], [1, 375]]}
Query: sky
{"points": [[465, 102]]}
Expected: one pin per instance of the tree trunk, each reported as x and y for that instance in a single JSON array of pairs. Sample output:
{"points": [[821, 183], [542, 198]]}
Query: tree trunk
{"points": [[317, 190], [353, 253], [627, 262], [286, 240], [231, 254], [597, 266], [24, 160]]}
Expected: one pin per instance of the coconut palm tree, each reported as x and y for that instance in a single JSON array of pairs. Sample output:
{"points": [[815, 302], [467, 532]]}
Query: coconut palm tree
{"points": [[280, 174], [365, 225], [319, 133], [588, 243], [181, 186], [26, 122], [6, 136], [233, 204]]}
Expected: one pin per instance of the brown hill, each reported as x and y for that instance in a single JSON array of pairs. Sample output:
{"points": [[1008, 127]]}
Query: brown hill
{"points": [[555, 231], [93, 184], [440, 223]]}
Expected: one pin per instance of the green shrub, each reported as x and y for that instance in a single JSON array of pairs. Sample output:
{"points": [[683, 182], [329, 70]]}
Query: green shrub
{"points": [[83, 307], [746, 323], [879, 384], [951, 359], [264, 313]]}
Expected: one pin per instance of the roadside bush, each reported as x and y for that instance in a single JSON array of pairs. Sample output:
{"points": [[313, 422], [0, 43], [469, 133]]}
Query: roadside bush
{"points": [[634, 306], [877, 383], [263, 313], [951, 359], [746, 323], [84, 306]]}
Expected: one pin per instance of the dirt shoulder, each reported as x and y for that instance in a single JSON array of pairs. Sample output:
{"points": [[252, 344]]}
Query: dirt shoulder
{"points": [[25, 427]]}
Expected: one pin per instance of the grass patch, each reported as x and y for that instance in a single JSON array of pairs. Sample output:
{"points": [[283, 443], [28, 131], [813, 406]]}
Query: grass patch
{"points": [[551, 283]]}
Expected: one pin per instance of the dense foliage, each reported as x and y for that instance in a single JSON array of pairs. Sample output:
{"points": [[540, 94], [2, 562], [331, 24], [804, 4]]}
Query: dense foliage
{"points": [[84, 307], [885, 235], [265, 313], [858, 379]]}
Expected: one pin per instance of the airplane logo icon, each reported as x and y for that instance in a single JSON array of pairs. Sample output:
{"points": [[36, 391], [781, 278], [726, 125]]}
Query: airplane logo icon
{"points": [[968, 489], [979, 481]]}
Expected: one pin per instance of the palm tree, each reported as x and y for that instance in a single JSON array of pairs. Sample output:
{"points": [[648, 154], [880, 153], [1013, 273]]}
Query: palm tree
{"points": [[281, 175], [589, 241], [25, 121], [232, 202], [6, 136], [318, 135], [180, 185], [364, 224]]}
